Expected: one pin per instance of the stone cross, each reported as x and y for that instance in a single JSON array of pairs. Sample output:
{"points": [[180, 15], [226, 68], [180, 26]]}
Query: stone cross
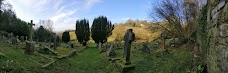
{"points": [[31, 30], [129, 37], [30, 45]]}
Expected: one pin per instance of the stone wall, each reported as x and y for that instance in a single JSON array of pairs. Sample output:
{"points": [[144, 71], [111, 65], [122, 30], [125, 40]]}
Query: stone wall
{"points": [[217, 55]]}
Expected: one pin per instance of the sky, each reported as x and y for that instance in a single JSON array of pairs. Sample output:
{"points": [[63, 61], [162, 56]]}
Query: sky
{"points": [[64, 13]]}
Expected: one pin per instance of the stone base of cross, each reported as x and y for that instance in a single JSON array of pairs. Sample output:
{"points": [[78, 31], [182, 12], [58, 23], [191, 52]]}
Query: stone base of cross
{"points": [[30, 46], [124, 66]]}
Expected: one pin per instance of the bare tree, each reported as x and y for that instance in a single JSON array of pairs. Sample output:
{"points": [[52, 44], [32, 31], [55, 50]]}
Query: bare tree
{"points": [[181, 16], [48, 24]]}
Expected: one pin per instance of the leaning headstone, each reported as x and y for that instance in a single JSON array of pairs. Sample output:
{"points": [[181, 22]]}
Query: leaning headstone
{"points": [[30, 45], [145, 49], [47, 50], [111, 52]]}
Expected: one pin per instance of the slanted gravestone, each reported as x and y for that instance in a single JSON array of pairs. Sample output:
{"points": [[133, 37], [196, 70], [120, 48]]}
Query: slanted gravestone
{"points": [[111, 52], [30, 45], [47, 50], [145, 49], [162, 45], [101, 48]]}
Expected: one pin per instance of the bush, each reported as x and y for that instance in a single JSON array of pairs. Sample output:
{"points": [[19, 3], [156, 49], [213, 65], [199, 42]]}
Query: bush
{"points": [[66, 37]]}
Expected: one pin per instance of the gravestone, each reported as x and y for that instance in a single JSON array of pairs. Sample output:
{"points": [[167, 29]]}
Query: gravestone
{"points": [[30, 45], [10, 35], [1, 37], [111, 52], [26, 38], [47, 50], [162, 45], [125, 64], [129, 37], [102, 49], [14, 40], [145, 49], [55, 42], [22, 38]]}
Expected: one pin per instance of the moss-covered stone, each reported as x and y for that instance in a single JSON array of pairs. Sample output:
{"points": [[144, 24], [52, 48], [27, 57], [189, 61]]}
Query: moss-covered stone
{"points": [[30, 46], [123, 67]]}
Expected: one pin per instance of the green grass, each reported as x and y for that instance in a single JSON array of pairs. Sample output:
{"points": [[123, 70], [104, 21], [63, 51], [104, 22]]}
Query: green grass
{"points": [[91, 61]]}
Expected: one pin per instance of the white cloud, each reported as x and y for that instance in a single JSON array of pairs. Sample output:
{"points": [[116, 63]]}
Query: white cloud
{"points": [[61, 12], [61, 15], [90, 3]]}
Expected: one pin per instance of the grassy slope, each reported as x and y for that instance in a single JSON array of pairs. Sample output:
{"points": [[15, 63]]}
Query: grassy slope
{"points": [[90, 61], [142, 33]]}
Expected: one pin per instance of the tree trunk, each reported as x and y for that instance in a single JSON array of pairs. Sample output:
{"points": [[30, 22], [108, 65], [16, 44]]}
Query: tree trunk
{"points": [[84, 44]]}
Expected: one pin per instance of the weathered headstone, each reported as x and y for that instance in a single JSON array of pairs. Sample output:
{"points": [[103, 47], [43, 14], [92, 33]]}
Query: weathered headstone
{"points": [[26, 38], [125, 64], [47, 50], [14, 40], [10, 35], [145, 49], [129, 37], [162, 37], [22, 38], [111, 52], [1, 37], [30, 45]]}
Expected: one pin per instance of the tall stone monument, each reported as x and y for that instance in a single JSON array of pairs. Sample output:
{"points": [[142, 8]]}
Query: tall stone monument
{"points": [[30, 44], [125, 63]]}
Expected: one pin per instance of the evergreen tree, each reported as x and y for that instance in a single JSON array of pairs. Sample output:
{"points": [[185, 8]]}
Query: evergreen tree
{"points": [[66, 37], [101, 29], [82, 31]]}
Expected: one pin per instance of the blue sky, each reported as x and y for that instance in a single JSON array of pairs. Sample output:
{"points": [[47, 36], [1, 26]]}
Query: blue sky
{"points": [[64, 13]]}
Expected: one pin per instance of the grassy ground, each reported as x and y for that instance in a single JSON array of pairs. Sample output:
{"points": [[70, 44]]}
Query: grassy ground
{"points": [[91, 61]]}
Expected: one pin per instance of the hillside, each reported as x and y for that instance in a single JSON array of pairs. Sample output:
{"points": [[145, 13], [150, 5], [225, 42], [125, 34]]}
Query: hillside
{"points": [[145, 31]]}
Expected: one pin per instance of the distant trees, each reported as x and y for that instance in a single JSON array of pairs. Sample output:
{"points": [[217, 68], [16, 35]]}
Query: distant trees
{"points": [[82, 31], [181, 16], [66, 37], [101, 29], [42, 34], [10, 23]]}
